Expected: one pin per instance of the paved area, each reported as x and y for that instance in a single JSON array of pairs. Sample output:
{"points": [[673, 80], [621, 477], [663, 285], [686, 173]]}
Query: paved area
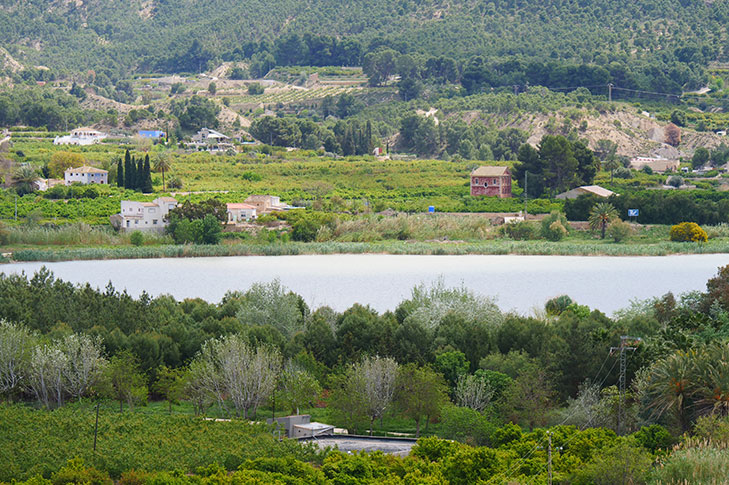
{"points": [[350, 443]]}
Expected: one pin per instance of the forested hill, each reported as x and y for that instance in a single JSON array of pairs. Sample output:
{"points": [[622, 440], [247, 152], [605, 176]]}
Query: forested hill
{"points": [[124, 36]]}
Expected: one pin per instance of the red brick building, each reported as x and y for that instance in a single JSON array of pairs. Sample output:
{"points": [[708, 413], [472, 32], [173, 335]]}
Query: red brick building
{"points": [[491, 182]]}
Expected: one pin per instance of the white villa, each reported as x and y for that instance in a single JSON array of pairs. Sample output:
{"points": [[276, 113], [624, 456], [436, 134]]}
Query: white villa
{"points": [[266, 204], [80, 136], [240, 212], [144, 216], [211, 140], [86, 175]]}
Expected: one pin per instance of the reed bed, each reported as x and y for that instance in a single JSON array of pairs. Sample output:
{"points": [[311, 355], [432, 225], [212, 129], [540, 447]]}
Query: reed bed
{"points": [[496, 247], [73, 235]]}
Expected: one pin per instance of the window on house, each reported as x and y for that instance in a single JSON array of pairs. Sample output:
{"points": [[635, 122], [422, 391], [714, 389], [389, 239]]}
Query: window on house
{"points": [[154, 221]]}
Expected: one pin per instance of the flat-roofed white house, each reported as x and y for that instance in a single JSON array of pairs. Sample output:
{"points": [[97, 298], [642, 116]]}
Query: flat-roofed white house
{"points": [[144, 216], [86, 175], [240, 212], [80, 136]]}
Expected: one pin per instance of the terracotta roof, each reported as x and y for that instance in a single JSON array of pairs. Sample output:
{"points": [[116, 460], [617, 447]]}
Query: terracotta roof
{"points": [[86, 169], [235, 206], [167, 199], [490, 171]]}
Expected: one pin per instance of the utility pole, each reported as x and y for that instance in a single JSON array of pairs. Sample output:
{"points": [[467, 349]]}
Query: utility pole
{"points": [[610, 92], [16, 206], [549, 458], [96, 427], [626, 343]]}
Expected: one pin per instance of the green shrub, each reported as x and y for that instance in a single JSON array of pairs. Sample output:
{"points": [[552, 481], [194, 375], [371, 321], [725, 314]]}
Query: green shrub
{"points": [[619, 230], [136, 238], [557, 305], [520, 231], [688, 232], [554, 227]]}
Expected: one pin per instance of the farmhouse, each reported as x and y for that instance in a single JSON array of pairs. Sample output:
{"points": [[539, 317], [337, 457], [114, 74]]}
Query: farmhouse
{"points": [[586, 189], [491, 182], [80, 136], [240, 212], [86, 175], [211, 140], [265, 204], [659, 165], [144, 216]]}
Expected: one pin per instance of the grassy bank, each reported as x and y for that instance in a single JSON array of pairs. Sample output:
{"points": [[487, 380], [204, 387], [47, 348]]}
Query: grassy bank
{"points": [[388, 247]]}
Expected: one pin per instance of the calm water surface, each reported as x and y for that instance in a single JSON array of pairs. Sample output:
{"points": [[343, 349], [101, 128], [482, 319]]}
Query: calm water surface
{"points": [[517, 282]]}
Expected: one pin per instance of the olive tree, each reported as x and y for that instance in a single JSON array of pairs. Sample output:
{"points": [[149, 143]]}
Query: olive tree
{"points": [[15, 351], [45, 374], [84, 363], [378, 378], [473, 392], [245, 374], [272, 304]]}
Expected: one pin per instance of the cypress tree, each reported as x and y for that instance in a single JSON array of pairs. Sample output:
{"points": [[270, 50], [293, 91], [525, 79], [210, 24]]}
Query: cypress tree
{"points": [[128, 171], [147, 187], [370, 145], [139, 178], [120, 174]]}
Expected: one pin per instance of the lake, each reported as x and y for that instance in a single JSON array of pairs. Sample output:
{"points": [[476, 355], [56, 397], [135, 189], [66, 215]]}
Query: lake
{"points": [[519, 283]]}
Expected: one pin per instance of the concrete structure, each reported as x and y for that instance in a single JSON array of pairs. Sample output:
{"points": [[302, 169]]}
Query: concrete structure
{"points": [[491, 182], [659, 165], [301, 426], [144, 216], [266, 204], [586, 189], [80, 136], [86, 175], [240, 212], [349, 444]]}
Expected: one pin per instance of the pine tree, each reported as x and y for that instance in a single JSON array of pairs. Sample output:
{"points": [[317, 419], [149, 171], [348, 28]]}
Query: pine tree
{"points": [[128, 171], [120, 174], [147, 187]]}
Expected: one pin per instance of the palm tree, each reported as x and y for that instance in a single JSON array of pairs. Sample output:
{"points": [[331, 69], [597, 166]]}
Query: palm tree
{"points": [[601, 215], [671, 386], [162, 164], [24, 179]]}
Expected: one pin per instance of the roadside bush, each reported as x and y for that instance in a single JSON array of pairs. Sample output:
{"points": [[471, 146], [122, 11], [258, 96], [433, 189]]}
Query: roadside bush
{"points": [[520, 231], [136, 238], [554, 227], [619, 230], [688, 232]]}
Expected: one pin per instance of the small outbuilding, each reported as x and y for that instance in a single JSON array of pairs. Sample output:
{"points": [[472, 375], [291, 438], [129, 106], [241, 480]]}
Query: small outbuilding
{"points": [[595, 190], [491, 181]]}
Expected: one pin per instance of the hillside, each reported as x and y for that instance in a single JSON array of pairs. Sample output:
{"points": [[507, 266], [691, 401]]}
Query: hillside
{"points": [[185, 35]]}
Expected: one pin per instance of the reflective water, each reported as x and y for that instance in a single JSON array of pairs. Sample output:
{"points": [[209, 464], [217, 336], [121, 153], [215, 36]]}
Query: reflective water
{"points": [[382, 281]]}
